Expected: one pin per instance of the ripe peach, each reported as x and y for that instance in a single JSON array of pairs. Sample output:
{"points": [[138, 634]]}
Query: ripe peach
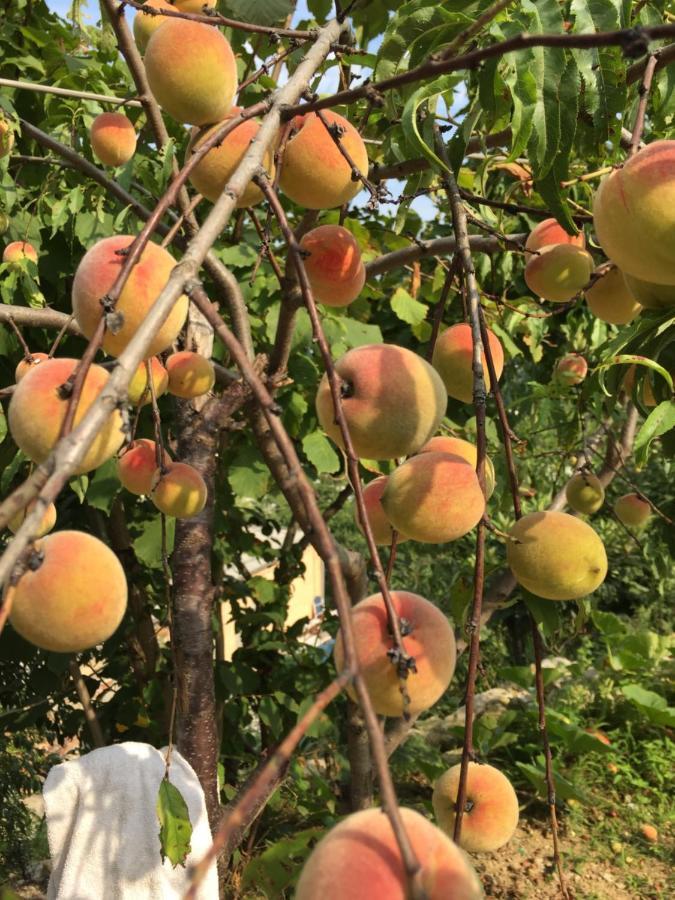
{"points": [[649, 833], [379, 523], [314, 173], [26, 365], [75, 598], [392, 399], [556, 556], [138, 384], [37, 410], [113, 139], [48, 519], [6, 137], [634, 214], [212, 173], [137, 466], [190, 374], [558, 272], [491, 814], [359, 857], [180, 491], [19, 250], [333, 265], [95, 276], [632, 510], [191, 71], [570, 369], [585, 493], [145, 24], [434, 498], [444, 443], [453, 360], [427, 636], [650, 295], [611, 300], [550, 232]]}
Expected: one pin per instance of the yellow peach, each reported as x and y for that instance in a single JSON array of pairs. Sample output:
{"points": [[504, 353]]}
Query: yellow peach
{"points": [[570, 369], [610, 299], [558, 272], [650, 295], [179, 491], [632, 510], [46, 525], [190, 374], [26, 365], [377, 518], [453, 360], [585, 493], [145, 23], [139, 389], [444, 443], [137, 467], [551, 232], [113, 139], [333, 265], [19, 250]]}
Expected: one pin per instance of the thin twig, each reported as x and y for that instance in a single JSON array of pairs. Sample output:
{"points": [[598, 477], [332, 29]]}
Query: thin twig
{"points": [[643, 91]]}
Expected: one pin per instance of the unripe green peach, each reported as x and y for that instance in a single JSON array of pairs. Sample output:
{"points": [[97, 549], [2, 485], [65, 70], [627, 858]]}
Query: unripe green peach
{"points": [[360, 858], [26, 365], [434, 498], [314, 173], [491, 814], [19, 250], [46, 525], [650, 295], [191, 71], [392, 399], [38, 407], [550, 232], [113, 139], [145, 23], [558, 272], [74, 597], [610, 299], [632, 510], [139, 389], [585, 493], [377, 518], [179, 491], [333, 265], [444, 443], [453, 360], [137, 467], [190, 374], [570, 369], [427, 637], [556, 556]]}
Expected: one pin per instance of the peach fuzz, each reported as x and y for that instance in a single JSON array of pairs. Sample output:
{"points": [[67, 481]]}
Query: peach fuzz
{"points": [[558, 272], [146, 24], [191, 71], [46, 525], [137, 466], [139, 389], [570, 369], [650, 295], [190, 374], [445, 443], [75, 598], [427, 637], [333, 265], [314, 173], [113, 139], [556, 556], [95, 276], [634, 214], [26, 365], [214, 170], [631, 509], [393, 401], [377, 518], [550, 232], [18, 250], [434, 498], [610, 299], [453, 360], [6, 137], [360, 858], [585, 493], [179, 491], [37, 411], [491, 814]]}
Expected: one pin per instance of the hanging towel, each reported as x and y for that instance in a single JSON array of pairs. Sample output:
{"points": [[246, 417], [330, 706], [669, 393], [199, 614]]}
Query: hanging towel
{"points": [[103, 829]]}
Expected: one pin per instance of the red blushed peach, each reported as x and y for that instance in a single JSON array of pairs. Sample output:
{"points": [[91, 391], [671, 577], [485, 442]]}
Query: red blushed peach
{"points": [[96, 275], [444, 443], [113, 139], [558, 272], [550, 232], [359, 858], [137, 466], [571, 369], [46, 525], [392, 399], [37, 411], [18, 250], [333, 265], [433, 498], [214, 170], [139, 389], [191, 71], [634, 214], [632, 510], [610, 299], [427, 636], [27, 364], [190, 374], [453, 360], [314, 173], [490, 817], [179, 491], [377, 518], [74, 598], [145, 24]]}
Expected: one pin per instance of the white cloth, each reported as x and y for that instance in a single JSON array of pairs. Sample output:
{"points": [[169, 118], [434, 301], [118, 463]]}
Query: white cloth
{"points": [[103, 829]]}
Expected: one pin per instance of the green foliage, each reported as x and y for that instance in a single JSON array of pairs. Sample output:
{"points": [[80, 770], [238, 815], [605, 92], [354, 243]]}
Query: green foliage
{"points": [[175, 832]]}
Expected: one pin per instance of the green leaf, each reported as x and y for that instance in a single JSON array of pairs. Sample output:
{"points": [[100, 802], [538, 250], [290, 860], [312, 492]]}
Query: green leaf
{"points": [[78, 484], [320, 452], [175, 832], [259, 12], [148, 546], [407, 308], [660, 420], [410, 124], [651, 704], [104, 486], [546, 612], [563, 788], [633, 359]]}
